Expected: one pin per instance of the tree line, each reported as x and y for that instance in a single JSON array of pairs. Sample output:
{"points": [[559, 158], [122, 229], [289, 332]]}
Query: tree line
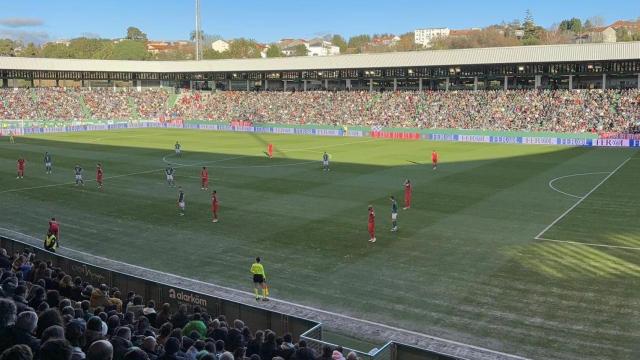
{"points": [[134, 45]]}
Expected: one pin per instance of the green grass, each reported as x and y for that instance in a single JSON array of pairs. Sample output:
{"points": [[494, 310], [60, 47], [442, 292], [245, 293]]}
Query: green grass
{"points": [[463, 266]]}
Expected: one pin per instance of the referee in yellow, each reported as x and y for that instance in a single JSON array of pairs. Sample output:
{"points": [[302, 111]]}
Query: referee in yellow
{"points": [[259, 280]]}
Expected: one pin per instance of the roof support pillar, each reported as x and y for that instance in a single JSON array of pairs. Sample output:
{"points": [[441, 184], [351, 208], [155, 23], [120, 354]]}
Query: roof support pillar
{"points": [[284, 86], [326, 84], [570, 82], [348, 84], [420, 84], [370, 85], [266, 84], [604, 81], [395, 84], [304, 85], [139, 85], [5, 82], [638, 81], [506, 83], [475, 83], [57, 82], [446, 84], [538, 81]]}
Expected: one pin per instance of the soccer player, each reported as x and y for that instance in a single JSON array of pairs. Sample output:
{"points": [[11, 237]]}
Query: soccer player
{"points": [[372, 224], [259, 280], [270, 150], [325, 162], [407, 194], [21, 165], [178, 149], [434, 159], [54, 227], [394, 214], [11, 139], [78, 171], [47, 162], [214, 206], [204, 178], [181, 203], [99, 175], [170, 171]]}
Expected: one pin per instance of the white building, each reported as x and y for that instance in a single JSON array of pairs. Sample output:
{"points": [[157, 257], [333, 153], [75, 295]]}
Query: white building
{"points": [[320, 47], [425, 36], [220, 46]]}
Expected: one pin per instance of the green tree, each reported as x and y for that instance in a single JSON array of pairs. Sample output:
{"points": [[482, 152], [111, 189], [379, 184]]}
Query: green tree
{"points": [[130, 50], [60, 51], [532, 33], [244, 49], [31, 50], [210, 54], [359, 42], [7, 47], [407, 42], [133, 33], [574, 25], [86, 48], [340, 42], [300, 50], [274, 51], [623, 34]]}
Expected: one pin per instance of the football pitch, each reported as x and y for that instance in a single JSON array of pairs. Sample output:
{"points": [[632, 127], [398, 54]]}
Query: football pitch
{"points": [[530, 250]]}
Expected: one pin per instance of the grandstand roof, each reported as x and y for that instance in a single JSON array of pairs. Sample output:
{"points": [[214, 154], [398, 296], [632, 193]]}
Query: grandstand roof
{"points": [[503, 55]]}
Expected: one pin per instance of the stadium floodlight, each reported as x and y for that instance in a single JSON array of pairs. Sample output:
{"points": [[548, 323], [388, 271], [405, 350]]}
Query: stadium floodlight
{"points": [[198, 34]]}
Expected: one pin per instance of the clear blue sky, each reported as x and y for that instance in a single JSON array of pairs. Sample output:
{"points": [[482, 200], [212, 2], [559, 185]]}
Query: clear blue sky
{"points": [[270, 20]]}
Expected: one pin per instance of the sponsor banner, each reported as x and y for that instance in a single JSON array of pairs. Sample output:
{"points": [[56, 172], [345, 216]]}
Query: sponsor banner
{"points": [[303, 131], [243, 128], [207, 126], [474, 138], [279, 130], [327, 132], [440, 137], [539, 141], [395, 135], [505, 140], [574, 142], [610, 142], [355, 133], [634, 143]]}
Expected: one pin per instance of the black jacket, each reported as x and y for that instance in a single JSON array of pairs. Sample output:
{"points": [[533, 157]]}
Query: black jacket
{"points": [[22, 337], [120, 347]]}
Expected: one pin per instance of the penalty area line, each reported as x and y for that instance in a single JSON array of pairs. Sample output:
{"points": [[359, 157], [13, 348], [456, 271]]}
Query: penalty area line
{"points": [[589, 244], [537, 237]]}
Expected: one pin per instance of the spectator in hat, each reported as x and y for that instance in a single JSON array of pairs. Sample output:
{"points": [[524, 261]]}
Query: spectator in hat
{"points": [[74, 333], [56, 349], [100, 350]]}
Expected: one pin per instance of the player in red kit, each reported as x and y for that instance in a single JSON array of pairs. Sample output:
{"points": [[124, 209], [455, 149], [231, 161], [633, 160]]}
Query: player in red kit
{"points": [[204, 178], [214, 206], [99, 176], [270, 150], [407, 194], [21, 163], [434, 159], [54, 228], [372, 224]]}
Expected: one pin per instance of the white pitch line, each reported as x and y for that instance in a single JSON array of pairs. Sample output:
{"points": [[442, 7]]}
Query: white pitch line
{"points": [[250, 294], [590, 244], [581, 199], [568, 176]]}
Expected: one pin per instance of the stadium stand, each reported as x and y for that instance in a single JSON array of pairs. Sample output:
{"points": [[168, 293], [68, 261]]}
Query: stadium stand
{"points": [[525, 110], [44, 310]]}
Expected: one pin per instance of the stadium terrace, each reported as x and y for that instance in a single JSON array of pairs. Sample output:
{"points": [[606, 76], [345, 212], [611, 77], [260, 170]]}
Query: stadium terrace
{"points": [[574, 66]]}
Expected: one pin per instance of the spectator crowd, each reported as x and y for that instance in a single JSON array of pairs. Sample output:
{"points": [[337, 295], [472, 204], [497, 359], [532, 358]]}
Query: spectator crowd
{"points": [[524, 110], [46, 314]]}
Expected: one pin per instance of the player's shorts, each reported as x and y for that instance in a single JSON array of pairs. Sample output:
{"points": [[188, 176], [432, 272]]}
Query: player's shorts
{"points": [[169, 177], [47, 164], [78, 177], [325, 163], [177, 151], [394, 216], [181, 204], [257, 278], [372, 227]]}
